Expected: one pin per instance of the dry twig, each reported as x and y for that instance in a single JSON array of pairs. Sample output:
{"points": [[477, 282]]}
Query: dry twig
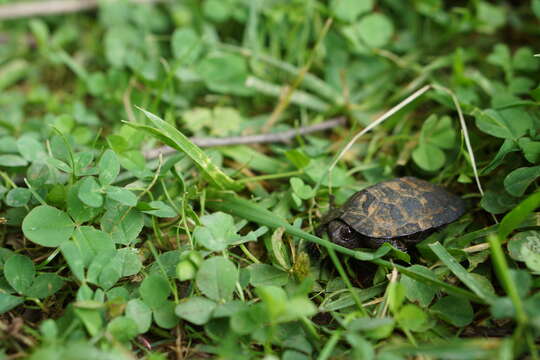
{"points": [[283, 136], [53, 7]]}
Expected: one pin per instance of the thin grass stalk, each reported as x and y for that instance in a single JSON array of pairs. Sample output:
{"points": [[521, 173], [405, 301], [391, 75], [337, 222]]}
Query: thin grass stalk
{"points": [[310, 81], [347, 281], [289, 90], [297, 97], [329, 346], [371, 126], [503, 272], [465, 135]]}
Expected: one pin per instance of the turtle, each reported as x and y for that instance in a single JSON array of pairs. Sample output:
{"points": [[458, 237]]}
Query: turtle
{"points": [[401, 211]]}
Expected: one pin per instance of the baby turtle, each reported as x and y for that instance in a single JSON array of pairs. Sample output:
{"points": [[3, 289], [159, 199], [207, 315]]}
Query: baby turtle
{"points": [[400, 211]]}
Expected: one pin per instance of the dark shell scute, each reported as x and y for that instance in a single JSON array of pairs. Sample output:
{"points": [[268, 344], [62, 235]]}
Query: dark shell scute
{"points": [[411, 206], [396, 214], [434, 199], [410, 228], [369, 199], [389, 192], [405, 187], [367, 226], [401, 207]]}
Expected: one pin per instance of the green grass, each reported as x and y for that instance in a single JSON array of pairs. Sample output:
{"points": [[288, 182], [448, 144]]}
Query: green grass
{"points": [[107, 253]]}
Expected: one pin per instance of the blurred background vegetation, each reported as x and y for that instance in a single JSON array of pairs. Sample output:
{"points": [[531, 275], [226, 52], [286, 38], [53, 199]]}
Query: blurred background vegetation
{"points": [[111, 253]]}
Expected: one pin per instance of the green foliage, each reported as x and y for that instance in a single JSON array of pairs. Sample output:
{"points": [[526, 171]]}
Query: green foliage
{"points": [[20, 273], [154, 291], [216, 278], [267, 275], [47, 226], [219, 231], [455, 311], [435, 137], [116, 249], [349, 10]]}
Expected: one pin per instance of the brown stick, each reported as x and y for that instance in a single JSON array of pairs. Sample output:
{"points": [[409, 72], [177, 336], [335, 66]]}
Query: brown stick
{"points": [[52, 7], [283, 136]]}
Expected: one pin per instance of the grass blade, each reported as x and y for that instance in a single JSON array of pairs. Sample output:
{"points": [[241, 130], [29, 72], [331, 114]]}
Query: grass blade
{"points": [[461, 273], [514, 218], [450, 349], [169, 135], [298, 97], [310, 81], [503, 273]]}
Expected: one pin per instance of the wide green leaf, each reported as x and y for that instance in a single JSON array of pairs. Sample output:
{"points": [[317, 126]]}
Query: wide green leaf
{"points": [[104, 270], [456, 311], [18, 197], [47, 226], [429, 157], [90, 192], [123, 328], [155, 290], [375, 30], [129, 260], [78, 210], [141, 313], [109, 167], [517, 182], [225, 73], [12, 161], [8, 302], [349, 10], [186, 45], [31, 149], [196, 310], [124, 225], [217, 278], [45, 285], [525, 239], [217, 233], [122, 195], [19, 272], [264, 275], [165, 316], [74, 258], [412, 317], [507, 124]]}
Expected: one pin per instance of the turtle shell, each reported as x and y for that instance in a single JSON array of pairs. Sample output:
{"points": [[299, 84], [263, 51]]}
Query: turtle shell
{"points": [[400, 207]]}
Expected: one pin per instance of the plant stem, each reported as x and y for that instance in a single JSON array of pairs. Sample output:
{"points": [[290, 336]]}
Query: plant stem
{"points": [[347, 281], [503, 272], [329, 346], [270, 176]]}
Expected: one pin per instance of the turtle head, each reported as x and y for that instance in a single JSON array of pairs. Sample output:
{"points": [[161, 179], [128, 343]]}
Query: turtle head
{"points": [[342, 234]]}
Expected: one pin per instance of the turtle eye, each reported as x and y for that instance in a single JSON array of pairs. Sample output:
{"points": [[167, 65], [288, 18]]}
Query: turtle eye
{"points": [[346, 231]]}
